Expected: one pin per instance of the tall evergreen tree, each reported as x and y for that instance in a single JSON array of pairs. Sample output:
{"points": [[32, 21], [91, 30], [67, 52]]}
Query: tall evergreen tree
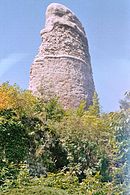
{"points": [[94, 109]]}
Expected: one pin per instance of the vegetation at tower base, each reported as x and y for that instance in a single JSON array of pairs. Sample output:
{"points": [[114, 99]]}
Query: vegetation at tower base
{"points": [[45, 149]]}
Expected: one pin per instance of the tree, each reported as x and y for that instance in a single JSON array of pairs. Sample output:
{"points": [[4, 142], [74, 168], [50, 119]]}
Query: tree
{"points": [[22, 101], [14, 142], [94, 109]]}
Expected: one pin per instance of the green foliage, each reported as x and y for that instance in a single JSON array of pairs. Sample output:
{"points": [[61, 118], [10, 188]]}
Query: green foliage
{"points": [[67, 183], [48, 151], [45, 149], [125, 103], [12, 175], [53, 110], [13, 138], [94, 109], [38, 190], [21, 101]]}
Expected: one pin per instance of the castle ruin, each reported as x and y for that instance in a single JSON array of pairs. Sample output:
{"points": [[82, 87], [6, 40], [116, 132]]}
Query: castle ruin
{"points": [[62, 67]]}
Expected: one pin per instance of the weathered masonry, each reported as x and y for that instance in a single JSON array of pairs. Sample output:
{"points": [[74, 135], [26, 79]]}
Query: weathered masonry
{"points": [[62, 67]]}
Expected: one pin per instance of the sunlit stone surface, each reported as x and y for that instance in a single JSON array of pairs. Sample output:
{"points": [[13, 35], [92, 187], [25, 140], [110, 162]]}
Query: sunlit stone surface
{"points": [[62, 67]]}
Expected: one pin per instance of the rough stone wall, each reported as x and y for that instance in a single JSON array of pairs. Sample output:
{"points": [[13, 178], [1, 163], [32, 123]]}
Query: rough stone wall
{"points": [[62, 67]]}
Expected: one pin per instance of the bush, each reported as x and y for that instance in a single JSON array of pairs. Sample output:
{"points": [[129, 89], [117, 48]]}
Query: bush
{"points": [[14, 142], [38, 190], [77, 151]]}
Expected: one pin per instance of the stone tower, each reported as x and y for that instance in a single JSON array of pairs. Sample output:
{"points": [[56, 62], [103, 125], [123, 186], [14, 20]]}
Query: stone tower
{"points": [[62, 67]]}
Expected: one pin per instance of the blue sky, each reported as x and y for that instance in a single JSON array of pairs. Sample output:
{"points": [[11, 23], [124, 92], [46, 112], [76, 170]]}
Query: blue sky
{"points": [[106, 24]]}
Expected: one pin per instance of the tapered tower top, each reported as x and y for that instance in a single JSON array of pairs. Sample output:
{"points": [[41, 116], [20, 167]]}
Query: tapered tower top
{"points": [[58, 13]]}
